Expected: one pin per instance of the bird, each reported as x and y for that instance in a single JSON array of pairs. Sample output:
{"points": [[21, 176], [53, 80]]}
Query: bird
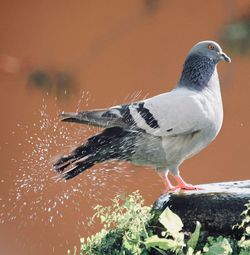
{"points": [[161, 131]]}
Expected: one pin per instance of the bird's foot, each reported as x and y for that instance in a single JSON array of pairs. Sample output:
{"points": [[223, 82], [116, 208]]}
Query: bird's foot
{"points": [[168, 185], [187, 187], [169, 188], [181, 184], [181, 187]]}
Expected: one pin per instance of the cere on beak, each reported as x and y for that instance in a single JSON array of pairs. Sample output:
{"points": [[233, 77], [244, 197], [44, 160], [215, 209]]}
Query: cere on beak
{"points": [[224, 57]]}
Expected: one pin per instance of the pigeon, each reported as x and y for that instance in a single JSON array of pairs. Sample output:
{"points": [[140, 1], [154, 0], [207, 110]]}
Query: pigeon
{"points": [[161, 131]]}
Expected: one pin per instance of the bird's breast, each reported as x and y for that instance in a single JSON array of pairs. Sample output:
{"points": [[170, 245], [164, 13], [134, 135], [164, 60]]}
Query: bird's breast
{"points": [[212, 106], [181, 147]]}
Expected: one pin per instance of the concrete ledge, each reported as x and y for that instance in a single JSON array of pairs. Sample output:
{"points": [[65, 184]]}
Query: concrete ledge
{"points": [[218, 207]]}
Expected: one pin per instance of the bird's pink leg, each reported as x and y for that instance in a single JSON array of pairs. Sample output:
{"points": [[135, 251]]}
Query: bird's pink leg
{"points": [[168, 185], [181, 184]]}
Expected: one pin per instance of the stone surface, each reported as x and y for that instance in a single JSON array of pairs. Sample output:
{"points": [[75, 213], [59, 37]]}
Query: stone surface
{"points": [[218, 207]]}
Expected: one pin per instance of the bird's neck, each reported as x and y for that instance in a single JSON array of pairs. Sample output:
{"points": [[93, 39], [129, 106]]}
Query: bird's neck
{"points": [[197, 72]]}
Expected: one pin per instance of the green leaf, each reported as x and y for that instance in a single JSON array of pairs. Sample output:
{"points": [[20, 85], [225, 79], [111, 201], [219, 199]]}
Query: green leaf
{"points": [[222, 247], [244, 243], [160, 251], [102, 218], [171, 222], [162, 243], [244, 252], [247, 230], [190, 251], [192, 242]]}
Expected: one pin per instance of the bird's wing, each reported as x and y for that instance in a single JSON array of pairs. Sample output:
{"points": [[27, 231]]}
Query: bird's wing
{"points": [[174, 113], [178, 112]]}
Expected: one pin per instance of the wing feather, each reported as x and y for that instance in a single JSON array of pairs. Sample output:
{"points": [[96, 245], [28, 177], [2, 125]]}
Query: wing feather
{"points": [[175, 113]]}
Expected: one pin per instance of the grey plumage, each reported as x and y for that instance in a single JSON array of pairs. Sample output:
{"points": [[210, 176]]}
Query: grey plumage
{"points": [[161, 131]]}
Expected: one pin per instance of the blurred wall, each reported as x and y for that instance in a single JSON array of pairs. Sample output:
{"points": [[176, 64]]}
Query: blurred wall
{"points": [[111, 49]]}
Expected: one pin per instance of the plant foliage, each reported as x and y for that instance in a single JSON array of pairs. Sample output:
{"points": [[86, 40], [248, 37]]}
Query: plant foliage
{"points": [[126, 231]]}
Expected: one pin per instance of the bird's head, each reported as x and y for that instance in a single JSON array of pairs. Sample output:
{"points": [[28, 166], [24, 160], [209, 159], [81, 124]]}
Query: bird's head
{"points": [[209, 49], [200, 64]]}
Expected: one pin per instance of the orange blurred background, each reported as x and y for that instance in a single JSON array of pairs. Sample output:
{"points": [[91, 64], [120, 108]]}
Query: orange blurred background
{"points": [[61, 55]]}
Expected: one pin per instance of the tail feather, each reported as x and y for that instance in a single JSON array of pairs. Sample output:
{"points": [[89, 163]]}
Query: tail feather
{"points": [[65, 161], [95, 118], [112, 143], [77, 169], [118, 116]]}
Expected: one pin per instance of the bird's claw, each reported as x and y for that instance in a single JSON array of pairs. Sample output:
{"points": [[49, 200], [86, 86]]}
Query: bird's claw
{"points": [[189, 187], [181, 187]]}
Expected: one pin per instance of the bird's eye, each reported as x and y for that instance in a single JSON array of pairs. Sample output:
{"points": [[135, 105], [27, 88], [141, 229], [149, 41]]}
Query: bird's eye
{"points": [[210, 47]]}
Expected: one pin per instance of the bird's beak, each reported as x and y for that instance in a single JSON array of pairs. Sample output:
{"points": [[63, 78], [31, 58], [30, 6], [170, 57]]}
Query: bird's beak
{"points": [[224, 57]]}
